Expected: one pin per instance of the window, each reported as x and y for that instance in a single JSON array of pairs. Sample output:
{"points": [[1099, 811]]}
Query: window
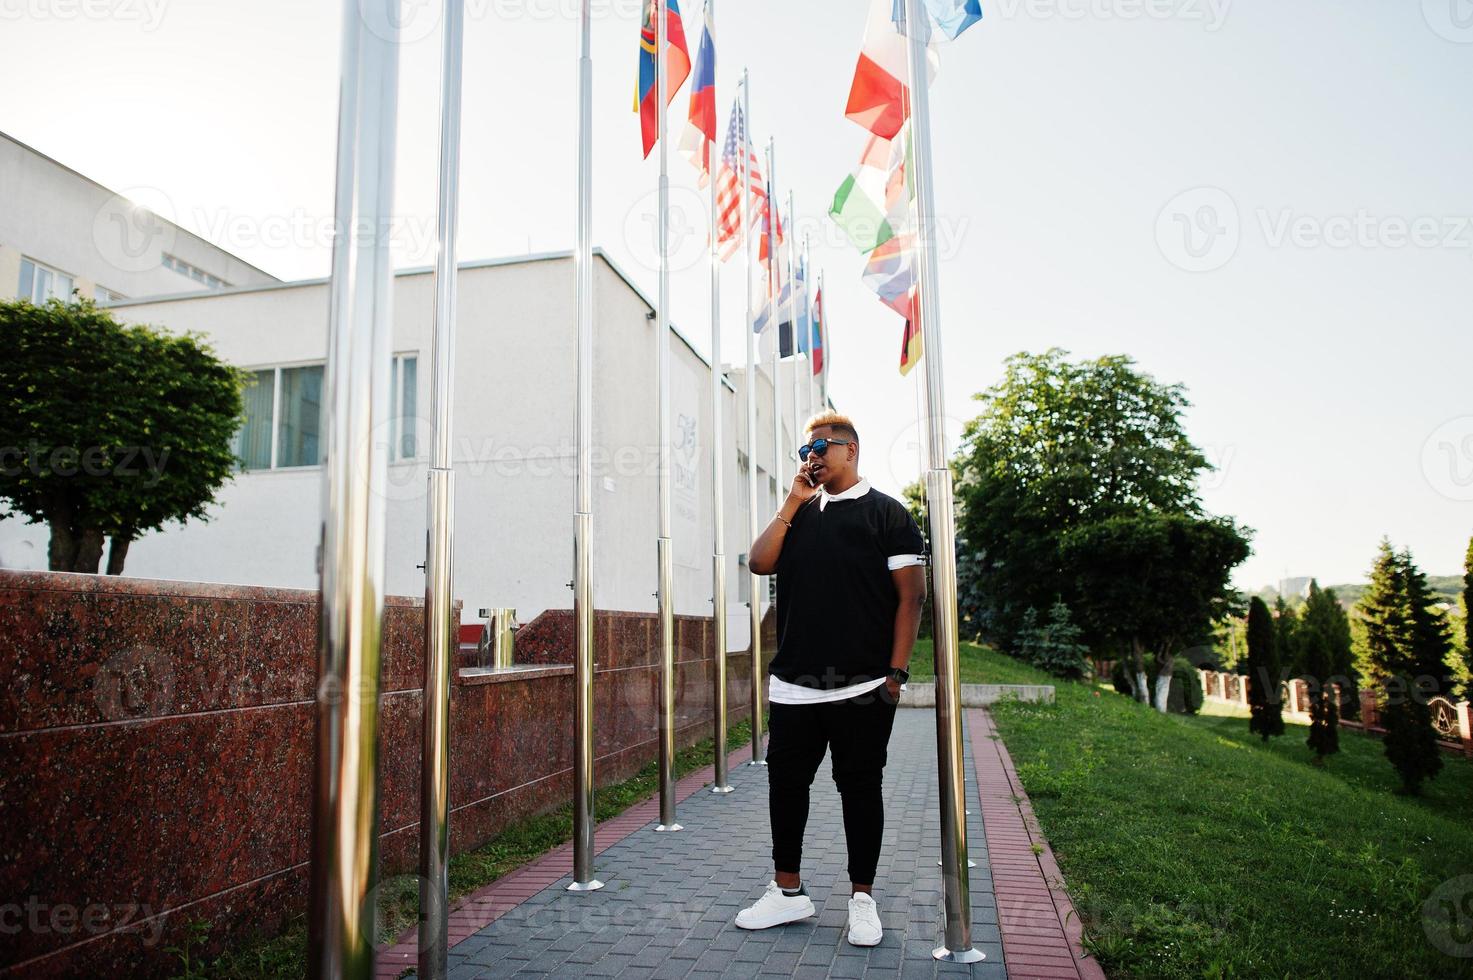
{"points": [[38, 282], [403, 410], [193, 272], [101, 295], [283, 425]]}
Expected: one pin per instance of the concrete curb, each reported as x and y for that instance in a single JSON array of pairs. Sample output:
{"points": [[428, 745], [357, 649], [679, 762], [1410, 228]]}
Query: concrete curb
{"points": [[922, 694]]}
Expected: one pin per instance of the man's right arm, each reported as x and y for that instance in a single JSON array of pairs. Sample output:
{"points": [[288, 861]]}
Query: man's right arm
{"points": [[762, 560]]}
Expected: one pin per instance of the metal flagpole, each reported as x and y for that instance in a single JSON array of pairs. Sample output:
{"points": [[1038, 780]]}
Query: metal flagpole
{"points": [[718, 509], [440, 640], [754, 581], [583, 822], [664, 554], [808, 322], [823, 375], [940, 518], [356, 394], [773, 295], [793, 310]]}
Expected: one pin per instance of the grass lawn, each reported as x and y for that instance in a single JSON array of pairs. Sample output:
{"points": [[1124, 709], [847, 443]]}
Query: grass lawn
{"points": [[980, 665], [1193, 850], [284, 957]]}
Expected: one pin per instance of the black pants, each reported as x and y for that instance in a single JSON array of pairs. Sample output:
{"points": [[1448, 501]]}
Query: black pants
{"points": [[857, 731]]}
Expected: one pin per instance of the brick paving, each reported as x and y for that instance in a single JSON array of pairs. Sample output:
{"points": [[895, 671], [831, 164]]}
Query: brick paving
{"points": [[669, 899]]}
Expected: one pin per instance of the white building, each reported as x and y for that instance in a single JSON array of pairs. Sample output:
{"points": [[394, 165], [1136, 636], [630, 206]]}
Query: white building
{"points": [[60, 231], [512, 448], [512, 413]]}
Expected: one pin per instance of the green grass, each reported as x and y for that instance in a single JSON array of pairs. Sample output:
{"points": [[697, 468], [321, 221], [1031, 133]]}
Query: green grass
{"points": [[1193, 850], [979, 665], [284, 957]]}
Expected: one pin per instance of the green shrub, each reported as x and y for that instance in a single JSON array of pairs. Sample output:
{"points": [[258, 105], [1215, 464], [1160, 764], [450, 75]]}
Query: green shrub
{"points": [[1185, 696]]}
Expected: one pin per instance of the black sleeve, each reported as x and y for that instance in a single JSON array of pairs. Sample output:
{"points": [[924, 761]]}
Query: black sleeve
{"points": [[902, 537]]}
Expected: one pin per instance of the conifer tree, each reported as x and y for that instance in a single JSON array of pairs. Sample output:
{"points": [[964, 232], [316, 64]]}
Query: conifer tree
{"points": [[1286, 638], [1406, 640], [1318, 631], [1468, 620], [1264, 702]]}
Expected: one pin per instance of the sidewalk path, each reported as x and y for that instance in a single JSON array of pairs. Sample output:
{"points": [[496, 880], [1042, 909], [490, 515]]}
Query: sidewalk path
{"points": [[667, 907]]}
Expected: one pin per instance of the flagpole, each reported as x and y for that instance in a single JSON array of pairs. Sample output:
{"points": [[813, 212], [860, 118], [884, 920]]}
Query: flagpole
{"points": [[773, 271], [344, 856], [823, 375], [583, 757], [940, 517], [721, 784], [663, 549], [808, 321], [440, 640], [793, 309], [754, 581]]}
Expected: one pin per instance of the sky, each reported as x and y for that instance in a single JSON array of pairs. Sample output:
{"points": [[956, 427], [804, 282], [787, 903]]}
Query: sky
{"points": [[1265, 201]]}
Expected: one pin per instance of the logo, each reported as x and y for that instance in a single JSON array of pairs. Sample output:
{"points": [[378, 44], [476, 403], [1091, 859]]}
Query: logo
{"points": [[1199, 230], [1447, 459], [400, 21], [1451, 20], [1447, 916], [686, 244], [133, 229]]}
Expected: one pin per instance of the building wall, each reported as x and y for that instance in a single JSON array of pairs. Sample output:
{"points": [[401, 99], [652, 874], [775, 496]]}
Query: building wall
{"points": [[512, 447], [158, 746], [56, 216]]}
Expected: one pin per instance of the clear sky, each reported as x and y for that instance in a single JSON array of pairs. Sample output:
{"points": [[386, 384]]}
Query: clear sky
{"points": [[1266, 201]]}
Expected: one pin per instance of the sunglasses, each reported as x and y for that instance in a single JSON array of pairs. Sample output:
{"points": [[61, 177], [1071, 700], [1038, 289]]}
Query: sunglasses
{"points": [[819, 446]]}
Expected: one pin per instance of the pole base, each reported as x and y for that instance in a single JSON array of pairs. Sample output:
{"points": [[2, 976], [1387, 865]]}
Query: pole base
{"points": [[959, 956], [668, 828], [970, 863], [722, 789], [591, 885]]}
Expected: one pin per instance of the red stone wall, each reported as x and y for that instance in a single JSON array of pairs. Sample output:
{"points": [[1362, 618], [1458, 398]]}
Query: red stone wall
{"points": [[156, 754]]}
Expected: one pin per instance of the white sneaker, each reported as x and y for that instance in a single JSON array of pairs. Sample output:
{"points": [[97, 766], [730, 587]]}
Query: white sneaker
{"points": [[774, 908], [864, 921]]}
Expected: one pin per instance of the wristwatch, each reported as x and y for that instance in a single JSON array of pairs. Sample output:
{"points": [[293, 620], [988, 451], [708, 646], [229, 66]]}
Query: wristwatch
{"points": [[899, 675]]}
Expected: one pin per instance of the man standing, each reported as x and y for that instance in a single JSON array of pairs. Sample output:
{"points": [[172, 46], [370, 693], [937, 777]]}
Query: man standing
{"points": [[850, 587]]}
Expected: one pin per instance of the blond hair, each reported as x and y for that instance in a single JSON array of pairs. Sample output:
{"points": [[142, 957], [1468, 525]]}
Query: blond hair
{"points": [[834, 420]]}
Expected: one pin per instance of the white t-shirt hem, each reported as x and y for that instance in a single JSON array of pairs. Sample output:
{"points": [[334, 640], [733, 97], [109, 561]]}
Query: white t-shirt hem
{"points": [[781, 692]]}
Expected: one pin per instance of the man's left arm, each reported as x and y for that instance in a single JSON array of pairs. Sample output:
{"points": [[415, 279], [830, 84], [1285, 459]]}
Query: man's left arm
{"points": [[906, 549], [910, 588]]}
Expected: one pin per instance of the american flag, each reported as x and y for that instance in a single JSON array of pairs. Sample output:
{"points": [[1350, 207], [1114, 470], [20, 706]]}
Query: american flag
{"points": [[729, 185]]}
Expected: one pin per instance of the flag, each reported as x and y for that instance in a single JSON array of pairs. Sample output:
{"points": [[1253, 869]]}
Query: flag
{"points": [[699, 140], [910, 346], [764, 318], [818, 332], [890, 272], [954, 16], [800, 308], [873, 203], [878, 95], [677, 66], [767, 234], [729, 184]]}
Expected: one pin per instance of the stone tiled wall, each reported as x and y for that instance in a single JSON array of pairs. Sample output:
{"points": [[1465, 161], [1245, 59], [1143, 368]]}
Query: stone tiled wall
{"points": [[156, 752]]}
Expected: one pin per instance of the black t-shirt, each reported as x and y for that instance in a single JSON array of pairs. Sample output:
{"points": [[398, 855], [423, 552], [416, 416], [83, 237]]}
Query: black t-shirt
{"points": [[836, 598]]}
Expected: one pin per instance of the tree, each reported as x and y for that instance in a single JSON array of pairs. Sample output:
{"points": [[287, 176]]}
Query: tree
{"points": [[1468, 621], [1060, 445], [1407, 644], [111, 430], [1264, 701], [1153, 583], [1320, 632], [1053, 646], [1286, 637]]}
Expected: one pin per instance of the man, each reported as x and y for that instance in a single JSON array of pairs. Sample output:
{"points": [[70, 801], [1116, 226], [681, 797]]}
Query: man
{"points": [[851, 582]]}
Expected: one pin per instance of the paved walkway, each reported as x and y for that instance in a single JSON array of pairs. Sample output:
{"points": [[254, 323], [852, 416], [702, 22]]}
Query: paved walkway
{"points": [[669, 899]]}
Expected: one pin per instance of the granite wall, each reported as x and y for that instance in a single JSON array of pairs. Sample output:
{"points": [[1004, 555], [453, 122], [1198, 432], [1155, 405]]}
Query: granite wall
{"points": [[156, 748]]}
